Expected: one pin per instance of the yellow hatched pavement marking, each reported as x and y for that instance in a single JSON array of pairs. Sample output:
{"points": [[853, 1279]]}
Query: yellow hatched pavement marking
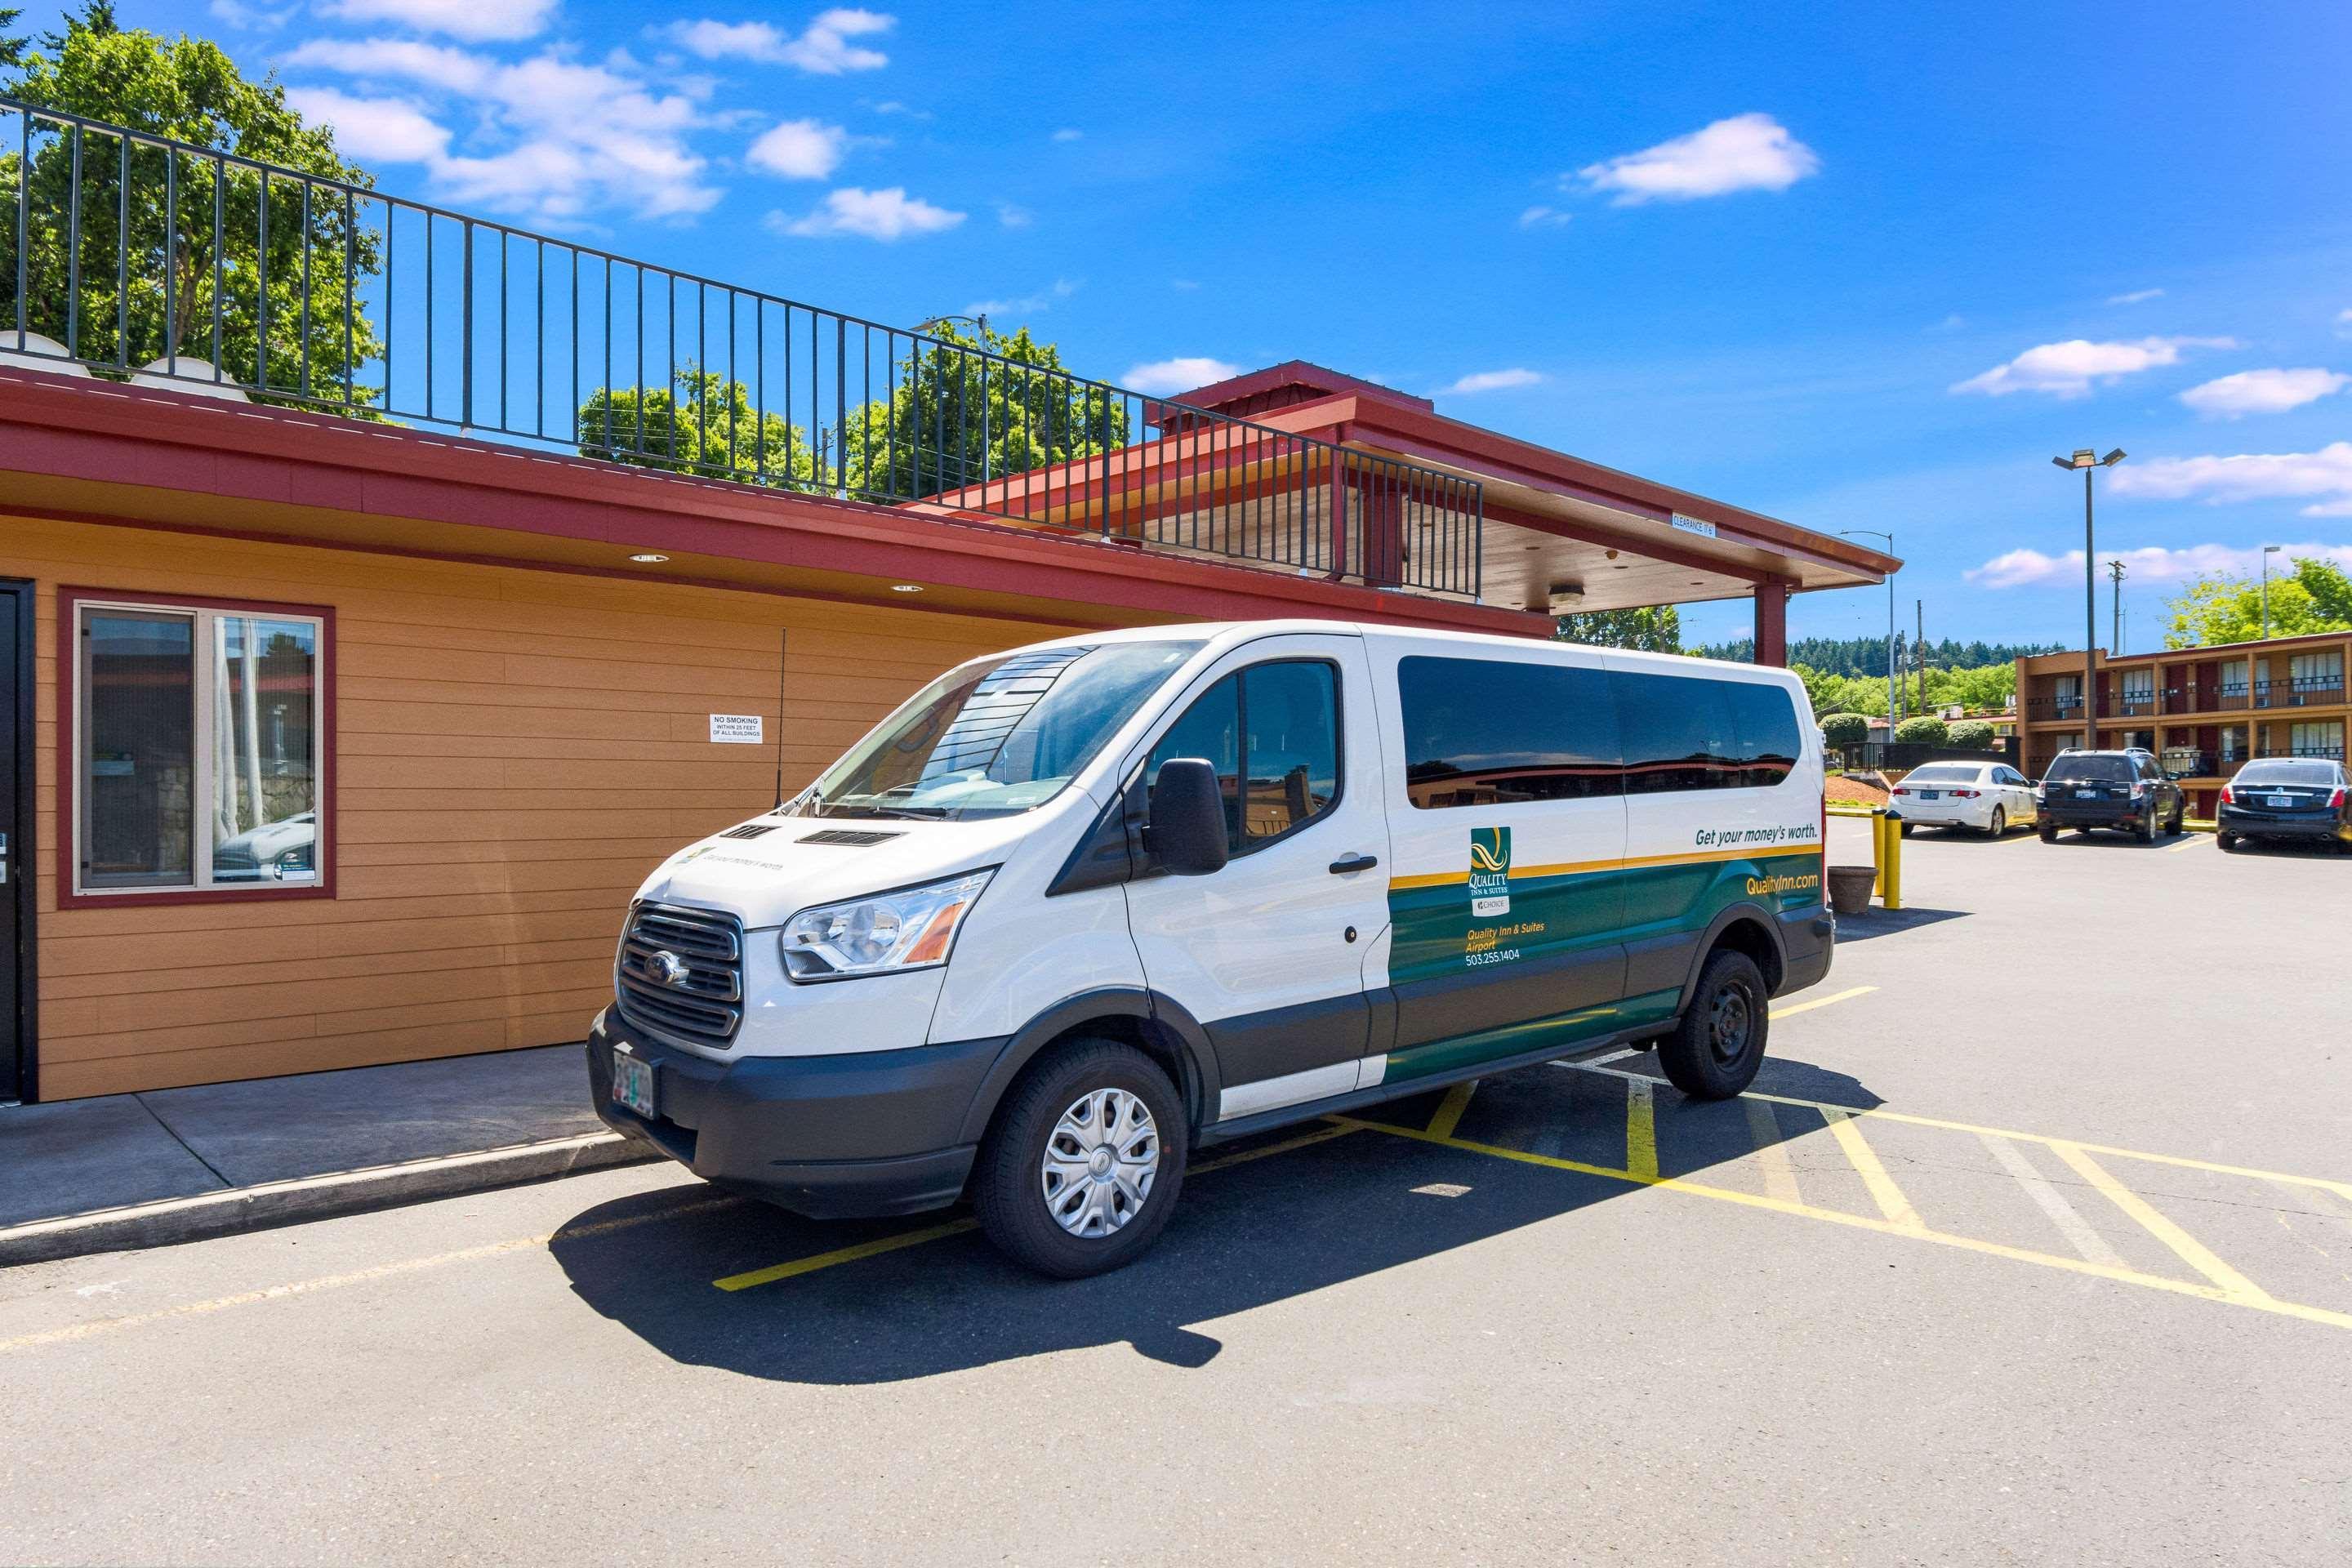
{"points": [[2191, 842], [1865, 1159], [1772, 1153], [1885, 1227], [2049, 1200], [2191, 1251], [1641, 1131], [1450, 1109], [1796, 1007], [880, 1245]]}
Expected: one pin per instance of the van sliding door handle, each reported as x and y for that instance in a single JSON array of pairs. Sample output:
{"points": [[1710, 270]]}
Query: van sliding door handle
{"points": [[1340, 868]]}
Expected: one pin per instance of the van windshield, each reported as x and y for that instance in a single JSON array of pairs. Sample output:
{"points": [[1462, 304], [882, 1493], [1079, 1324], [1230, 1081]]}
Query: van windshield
{"points": [[998, 735]]}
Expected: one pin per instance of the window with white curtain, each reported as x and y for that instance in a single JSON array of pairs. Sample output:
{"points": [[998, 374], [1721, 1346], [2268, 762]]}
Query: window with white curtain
{"points": [[198, 738]]}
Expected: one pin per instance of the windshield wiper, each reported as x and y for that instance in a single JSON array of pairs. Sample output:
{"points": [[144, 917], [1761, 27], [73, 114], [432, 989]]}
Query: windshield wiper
{"points": [[913, 813]]}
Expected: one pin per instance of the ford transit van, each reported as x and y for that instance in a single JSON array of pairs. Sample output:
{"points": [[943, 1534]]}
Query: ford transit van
{"points": [[1074, 911]]}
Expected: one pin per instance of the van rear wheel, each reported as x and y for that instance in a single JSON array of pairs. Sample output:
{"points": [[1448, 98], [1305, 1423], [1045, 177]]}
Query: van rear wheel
{"points": [[1084, 1161], [1715, 1051]]}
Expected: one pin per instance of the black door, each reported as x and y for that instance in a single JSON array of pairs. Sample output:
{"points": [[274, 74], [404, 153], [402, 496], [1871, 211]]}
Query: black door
{"points": [[16, 864]]}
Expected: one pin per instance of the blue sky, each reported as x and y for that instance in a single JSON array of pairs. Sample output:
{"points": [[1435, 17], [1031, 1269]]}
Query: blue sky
{"points": [[1834, 262]]}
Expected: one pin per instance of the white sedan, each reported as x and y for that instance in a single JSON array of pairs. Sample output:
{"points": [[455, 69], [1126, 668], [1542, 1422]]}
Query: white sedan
{"points": [[1991, 797]]}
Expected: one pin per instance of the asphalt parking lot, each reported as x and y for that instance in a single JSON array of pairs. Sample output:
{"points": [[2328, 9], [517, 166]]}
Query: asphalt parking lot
{"points": [[2033, 1244]]}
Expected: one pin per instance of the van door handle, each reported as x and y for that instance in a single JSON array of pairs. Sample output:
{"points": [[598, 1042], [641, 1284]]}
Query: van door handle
{"points": [[1346, 864]]}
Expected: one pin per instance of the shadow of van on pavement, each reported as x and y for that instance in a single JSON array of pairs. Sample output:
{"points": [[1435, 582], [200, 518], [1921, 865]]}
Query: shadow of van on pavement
{"points": [[1258, 1232]]}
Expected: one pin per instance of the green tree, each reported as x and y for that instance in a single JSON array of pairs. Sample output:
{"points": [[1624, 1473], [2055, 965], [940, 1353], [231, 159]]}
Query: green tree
{"points": [[700, 423], [12, 46], [1655, 629], [1925, 730], [966, 410], [1975, 734], [1845, 729], [2316, 596], [187, 89]]}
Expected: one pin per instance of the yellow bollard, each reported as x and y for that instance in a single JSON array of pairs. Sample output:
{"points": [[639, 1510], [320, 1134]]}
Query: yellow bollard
{"points": [[1878, 851], [1890, 876]]}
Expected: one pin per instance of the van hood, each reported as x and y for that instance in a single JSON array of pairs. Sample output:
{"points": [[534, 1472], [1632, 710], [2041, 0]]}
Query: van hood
{"points": [[765, 877]]}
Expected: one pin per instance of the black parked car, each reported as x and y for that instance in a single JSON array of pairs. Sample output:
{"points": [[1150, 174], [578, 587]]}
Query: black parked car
{"points": [[2287, 797], [2083, 790]]}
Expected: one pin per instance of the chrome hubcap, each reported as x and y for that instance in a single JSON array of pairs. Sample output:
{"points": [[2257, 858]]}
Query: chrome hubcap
{"points": [[1100, 1162]]}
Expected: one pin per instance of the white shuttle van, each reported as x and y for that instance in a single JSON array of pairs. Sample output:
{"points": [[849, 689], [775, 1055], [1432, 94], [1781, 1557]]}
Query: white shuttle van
{"points": [[1076, 911]]}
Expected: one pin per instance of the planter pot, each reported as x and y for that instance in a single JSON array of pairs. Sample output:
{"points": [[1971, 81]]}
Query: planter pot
{"points": [[1850, 888]]}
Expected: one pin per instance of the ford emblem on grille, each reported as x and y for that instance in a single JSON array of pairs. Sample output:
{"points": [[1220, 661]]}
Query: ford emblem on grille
{"points": [[667, 968]]}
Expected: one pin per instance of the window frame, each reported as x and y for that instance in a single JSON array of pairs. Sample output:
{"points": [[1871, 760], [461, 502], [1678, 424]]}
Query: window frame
{"points": [[1613, 755], [72, 699], [1238, 674]]}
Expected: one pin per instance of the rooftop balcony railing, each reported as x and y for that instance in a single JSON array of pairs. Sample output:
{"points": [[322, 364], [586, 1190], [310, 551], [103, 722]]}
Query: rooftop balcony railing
{"points": [[132, 257]]}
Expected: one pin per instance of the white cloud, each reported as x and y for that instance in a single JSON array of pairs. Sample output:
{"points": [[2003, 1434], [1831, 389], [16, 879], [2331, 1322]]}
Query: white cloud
{"points": [[2263, 392], [373, 130], [2344, 323], [1541, 217], [252, 18], [1011, 215], [1169, 377], [798, 150], [1491, 381], [475, 21], [1951, 323], [823, 48], [870, 214], [2070, 369], [1744, 152], [2136, 296], [1034, 304], [550, 137], [2323, 477], [1068, 133], [2151, 563]]}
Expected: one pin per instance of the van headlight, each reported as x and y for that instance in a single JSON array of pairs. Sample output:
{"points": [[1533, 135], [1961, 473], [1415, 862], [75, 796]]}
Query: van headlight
{"points": [[914, 928]]}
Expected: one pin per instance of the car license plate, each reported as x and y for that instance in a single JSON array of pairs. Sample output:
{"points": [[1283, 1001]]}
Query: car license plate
{"points": [[2087, 795], [2282, 800], [633, 1083], [1928, 793]]}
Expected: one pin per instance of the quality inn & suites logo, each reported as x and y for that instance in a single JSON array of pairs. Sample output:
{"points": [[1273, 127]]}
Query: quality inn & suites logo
{"points": [[1490, 871]]}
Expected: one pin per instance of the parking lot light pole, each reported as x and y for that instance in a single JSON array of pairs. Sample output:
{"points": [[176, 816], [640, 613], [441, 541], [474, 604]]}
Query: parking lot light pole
{"points": [[2089, 462], [1881, 534], [2268, 551]]}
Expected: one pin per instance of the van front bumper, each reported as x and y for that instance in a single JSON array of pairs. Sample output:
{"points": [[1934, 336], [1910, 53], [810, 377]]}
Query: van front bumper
{"points": [[832, 1137]]}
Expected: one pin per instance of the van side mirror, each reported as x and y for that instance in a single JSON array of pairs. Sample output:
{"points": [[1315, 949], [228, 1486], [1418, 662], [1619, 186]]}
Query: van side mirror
{"points": [[1185, 831]]}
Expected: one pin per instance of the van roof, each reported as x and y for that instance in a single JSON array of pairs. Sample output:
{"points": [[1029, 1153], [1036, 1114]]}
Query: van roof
{"points": [[1236, 631]]}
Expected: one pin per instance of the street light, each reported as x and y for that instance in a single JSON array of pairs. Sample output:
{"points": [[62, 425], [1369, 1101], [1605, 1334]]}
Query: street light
{"points": [[2089, 461], [2268, 551], [1880, 534]]}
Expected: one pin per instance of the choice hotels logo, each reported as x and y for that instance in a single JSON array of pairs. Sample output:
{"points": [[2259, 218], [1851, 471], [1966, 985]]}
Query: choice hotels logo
{"points": [[1490, 871]]}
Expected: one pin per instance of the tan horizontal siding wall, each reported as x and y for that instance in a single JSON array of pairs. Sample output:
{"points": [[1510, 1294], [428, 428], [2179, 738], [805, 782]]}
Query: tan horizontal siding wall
{"points": [[514, 750]]}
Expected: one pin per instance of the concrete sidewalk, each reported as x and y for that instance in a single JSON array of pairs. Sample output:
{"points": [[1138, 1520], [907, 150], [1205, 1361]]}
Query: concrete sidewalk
{"points": [[142, 1170]]}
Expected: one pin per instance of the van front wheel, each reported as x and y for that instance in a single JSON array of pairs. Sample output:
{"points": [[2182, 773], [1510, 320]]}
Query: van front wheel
{"points": [[1715, 1051], [1084, 1161]]}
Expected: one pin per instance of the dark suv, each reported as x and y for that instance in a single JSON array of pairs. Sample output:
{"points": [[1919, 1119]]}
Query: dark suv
{"points": [[2083, 790]]}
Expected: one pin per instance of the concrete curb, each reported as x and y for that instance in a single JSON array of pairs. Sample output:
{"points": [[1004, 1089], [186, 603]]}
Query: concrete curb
{"points": [[313, 1197]]}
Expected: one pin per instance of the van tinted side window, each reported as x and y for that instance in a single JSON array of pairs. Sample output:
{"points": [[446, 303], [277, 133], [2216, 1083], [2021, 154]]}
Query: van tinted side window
{"points": [[1684, 732], [1481, 731], [1272, 732]]}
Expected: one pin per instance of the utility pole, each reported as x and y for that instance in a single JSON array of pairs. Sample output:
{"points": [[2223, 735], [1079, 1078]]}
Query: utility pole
{"points": [[2268, 551], [2115, 575], [1919, 648]]}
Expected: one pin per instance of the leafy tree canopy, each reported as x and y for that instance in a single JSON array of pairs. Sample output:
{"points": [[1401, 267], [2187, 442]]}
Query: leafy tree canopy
{"points": [[1861, 657], [1973, 733], [701, 424], [2316, 598], [1845, 729], [1926, 729], [1655, 628], [187, 89]]}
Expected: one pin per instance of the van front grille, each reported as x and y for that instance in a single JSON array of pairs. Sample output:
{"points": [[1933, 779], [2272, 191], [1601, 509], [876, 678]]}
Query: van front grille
{"points": [[681, 973]]}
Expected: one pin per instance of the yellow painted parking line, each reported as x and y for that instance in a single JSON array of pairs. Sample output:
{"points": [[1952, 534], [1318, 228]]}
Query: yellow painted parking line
{"points": [[1641, 1131], [1794, 1008], [2191, 1250], [1865, 1159], [2202, 1292], [883, 1244], [1450, 1109], [2191, 842], [355, 1277], [1771, 1151], [2049, 1200]]}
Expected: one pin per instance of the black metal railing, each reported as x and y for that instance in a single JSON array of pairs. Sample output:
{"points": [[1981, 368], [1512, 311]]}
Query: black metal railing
{"points": [[2307, 691], [137, 257]]}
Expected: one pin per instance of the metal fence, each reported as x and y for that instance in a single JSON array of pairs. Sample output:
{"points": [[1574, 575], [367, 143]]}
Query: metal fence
{"points": [[141, 257]]}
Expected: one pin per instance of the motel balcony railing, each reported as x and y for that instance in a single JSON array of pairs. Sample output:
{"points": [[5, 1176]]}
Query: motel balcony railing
{"points": [[2315, 690], [136, 258]]}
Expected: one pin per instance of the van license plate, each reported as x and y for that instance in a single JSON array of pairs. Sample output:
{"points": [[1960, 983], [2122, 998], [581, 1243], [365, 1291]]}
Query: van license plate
{"points": [[633, 1083]]}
